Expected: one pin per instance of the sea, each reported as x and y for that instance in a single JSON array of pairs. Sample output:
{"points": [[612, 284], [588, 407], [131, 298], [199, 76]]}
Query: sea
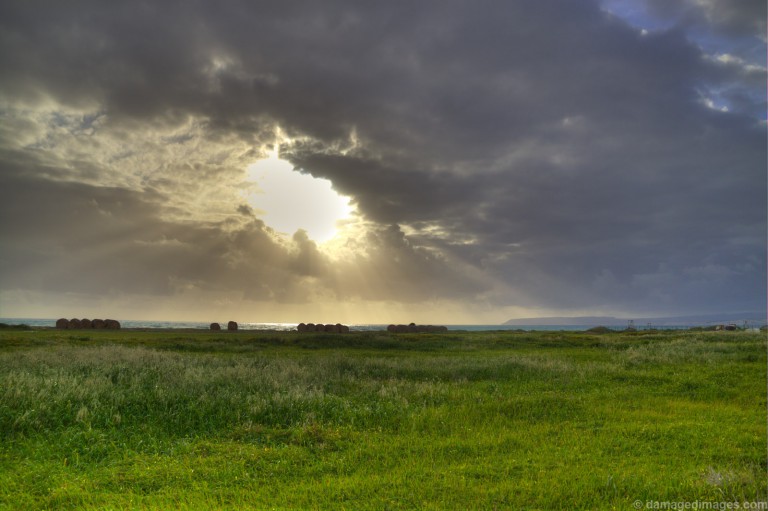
{"points": [[363, 327]]}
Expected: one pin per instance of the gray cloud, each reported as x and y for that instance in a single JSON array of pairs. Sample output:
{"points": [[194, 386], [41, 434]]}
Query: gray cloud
{"points": [[535, 154], [102, 240], [744, 18]]}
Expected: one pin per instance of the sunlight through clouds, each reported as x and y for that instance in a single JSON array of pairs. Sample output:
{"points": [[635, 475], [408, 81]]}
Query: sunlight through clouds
{"points": [[437, 160], [289, 200]]}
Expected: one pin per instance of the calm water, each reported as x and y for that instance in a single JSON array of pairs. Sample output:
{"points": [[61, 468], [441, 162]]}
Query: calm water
{"points": [[292, 326]]}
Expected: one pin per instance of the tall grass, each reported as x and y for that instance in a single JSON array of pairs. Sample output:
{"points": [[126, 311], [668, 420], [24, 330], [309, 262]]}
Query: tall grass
{"points": [[494, 420], [117, 387]]}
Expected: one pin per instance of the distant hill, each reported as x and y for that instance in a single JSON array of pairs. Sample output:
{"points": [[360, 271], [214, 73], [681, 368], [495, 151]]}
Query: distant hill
{"points": [[752, 318]]}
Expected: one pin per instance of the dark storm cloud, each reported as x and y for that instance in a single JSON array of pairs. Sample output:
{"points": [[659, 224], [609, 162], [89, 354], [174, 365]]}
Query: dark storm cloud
{"points": [[566, 157]]}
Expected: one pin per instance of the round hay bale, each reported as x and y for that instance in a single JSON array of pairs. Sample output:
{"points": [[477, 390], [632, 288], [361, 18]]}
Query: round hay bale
{"points": [[74, 323], [86, 323], [111, 324], [329, 328], [442, 329], [62, 323], [344, 329], [401, 329], [302, 327], [391, 328], [98, 323], [412, 328], [310, 327], [232, 326], [215, 326], [421, 328]]}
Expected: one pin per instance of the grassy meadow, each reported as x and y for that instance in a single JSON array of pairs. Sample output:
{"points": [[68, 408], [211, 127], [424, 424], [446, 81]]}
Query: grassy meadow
{"points": [[482, 420]]}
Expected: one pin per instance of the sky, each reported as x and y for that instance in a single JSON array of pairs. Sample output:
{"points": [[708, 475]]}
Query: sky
{"points": [[352, 161]]}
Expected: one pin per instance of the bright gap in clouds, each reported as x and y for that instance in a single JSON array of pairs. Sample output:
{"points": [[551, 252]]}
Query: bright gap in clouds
{"points": [[291, 200]]}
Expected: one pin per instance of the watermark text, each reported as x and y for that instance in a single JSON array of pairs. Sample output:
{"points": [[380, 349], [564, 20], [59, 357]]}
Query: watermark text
{"points": [[701, 505]]}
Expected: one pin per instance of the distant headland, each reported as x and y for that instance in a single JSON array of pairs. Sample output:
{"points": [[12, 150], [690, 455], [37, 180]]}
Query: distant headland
{"points": [[699, 319]]}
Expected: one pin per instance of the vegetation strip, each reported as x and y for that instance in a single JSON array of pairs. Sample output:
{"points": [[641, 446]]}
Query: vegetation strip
{"points": [[476, 420]]}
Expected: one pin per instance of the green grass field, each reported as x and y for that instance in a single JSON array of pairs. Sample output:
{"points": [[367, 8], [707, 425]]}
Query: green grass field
{"points": [[485, 420]]}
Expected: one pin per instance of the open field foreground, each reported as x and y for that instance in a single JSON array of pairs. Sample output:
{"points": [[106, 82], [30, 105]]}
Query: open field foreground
{"points": [[485, 420]]}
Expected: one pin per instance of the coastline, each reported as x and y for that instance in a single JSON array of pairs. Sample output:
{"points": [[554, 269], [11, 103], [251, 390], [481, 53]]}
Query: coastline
{"points": [[204, 327]]}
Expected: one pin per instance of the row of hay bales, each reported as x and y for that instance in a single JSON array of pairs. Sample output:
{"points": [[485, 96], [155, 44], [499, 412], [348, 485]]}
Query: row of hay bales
{"points": [[338, 328], [77, 324], [413, 327], [231, 326]]}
